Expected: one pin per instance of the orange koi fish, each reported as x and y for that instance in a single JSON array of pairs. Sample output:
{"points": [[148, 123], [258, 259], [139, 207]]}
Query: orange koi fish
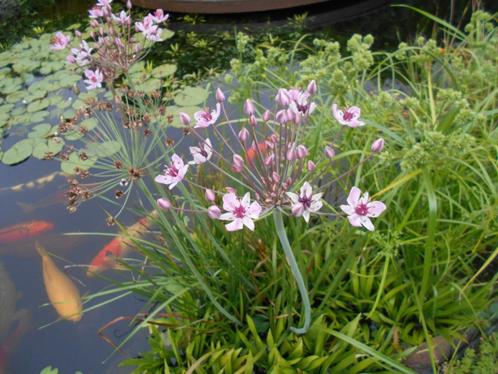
{"points": [[62, 292], [9, 344], [119, 247], [251, 152], [24, 230]]}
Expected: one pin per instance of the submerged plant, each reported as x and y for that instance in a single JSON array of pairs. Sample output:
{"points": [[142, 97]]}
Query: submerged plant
{"points": [[264, 156]]}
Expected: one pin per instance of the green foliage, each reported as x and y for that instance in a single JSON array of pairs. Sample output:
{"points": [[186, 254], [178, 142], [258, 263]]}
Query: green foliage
{"points": [[483, 361]]}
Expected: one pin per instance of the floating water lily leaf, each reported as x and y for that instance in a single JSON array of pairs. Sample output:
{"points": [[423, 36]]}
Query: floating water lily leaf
{"points": [[89, 123], [104, 149], [26, 65], [38, 105], [18, 111], [167, 34], [6, 108], [175, 112], [164, 71], [34, 95], [78, 104], [40, 131], [18, 152], [74, 162], [15, 97], [191, 96], [51, 146], [149, 85], [69, 113], [37, 117]]}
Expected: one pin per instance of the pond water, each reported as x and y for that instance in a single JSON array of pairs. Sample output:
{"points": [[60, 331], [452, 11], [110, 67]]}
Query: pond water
{"points": [[67, 345]]}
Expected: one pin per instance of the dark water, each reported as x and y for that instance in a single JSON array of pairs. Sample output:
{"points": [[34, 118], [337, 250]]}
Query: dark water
{"points": [[77, 346]]}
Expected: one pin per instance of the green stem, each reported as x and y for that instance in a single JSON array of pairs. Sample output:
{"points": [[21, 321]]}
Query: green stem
{"points": [[284, 241]]}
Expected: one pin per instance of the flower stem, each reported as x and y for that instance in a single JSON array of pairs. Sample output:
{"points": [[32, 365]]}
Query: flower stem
{"points": [[284, 241]]}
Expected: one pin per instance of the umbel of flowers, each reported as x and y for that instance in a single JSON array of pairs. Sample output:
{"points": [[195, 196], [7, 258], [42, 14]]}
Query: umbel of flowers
{"points": [[269, 168], [115, 44]]}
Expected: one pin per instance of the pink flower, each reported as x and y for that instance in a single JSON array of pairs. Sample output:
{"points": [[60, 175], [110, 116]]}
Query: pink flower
{"points": [[282, 98], [377, 146], [214, 212], [202, 153], [173, 174], [122, 19], [104, 3], [205, 118], [94, 79], [159, 16], [164, 204], [349, 117], [240, 212], [359, 209], [149, 29], [329, 151], [305, 203], [80, 56], [59, 41], [299, 104], [185, 119], [95, 12]]}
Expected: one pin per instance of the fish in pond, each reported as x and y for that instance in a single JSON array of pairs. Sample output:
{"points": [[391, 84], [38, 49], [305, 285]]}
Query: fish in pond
{"points": [[8, 316], [36, 183], [252, 152], [24, 230], [61, 290], [57, 198], [118, 247]]}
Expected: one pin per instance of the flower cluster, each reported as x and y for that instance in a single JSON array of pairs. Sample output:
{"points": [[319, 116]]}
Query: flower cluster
{"points": [[116, 42], [267, 159]]}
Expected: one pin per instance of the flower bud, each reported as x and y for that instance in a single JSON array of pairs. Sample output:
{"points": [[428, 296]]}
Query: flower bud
{"points": [[281, 117], [163, 203], [252, 120], [243, 134], [269, 159], [377, 146], [249, 107], [291, 153], [185, 119], [210, 195], [214, 212], [311, 165], [302, 151], [230, 190], [238, 163], [266, 115], [77, 33], [128, 4], [282, 98], [276, 177], [329, 151], [312, 88], [220, 96]]}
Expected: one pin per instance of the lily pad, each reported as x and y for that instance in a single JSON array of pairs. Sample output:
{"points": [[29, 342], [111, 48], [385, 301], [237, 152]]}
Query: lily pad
{"points": [[164, 71], [40, 131], [38, 105], [149, 85], [75, 161], [89, 123], [18, 152], [51, 146], [104, 149], [190, 96], [38, 116]]}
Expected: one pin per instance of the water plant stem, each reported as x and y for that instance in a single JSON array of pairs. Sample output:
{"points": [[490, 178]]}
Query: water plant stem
{"points": [[284, 241]]}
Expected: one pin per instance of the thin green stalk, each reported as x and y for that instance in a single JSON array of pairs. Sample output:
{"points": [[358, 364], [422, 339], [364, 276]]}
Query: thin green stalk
{"points": [[284, 241]]}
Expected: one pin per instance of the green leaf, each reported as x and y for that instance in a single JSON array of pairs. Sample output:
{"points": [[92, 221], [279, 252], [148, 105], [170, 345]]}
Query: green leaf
{"points": [[75, 161], [38, 105], [52, 146], [40, 131], [164, 70], [18, 152], [104, 149], [190, 96]]}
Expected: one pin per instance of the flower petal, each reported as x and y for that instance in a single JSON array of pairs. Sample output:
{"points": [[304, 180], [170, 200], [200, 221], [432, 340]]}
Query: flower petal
{"points": [[347, 209], [367, 223], [249, 223], [375, 208], [354, 196], [235, 225], [230, 201], [355, 220]]}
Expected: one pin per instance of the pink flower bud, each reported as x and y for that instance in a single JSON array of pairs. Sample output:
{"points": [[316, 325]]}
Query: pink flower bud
{"points": [[302, 151], [128, 4], [281, 117], [311, 165], [329, 151], [291, 153], [94, 23], [243, 134], [238, 163], [164, 203], [230, 190], [252, 120], [185, 119], [220, 96], [269, 159], [312, 88], [77, 33], [276, 177], [214, 212], [210, 195], [291, 115], [266, 115], [249, 107], [282, 98], [377, 146]]}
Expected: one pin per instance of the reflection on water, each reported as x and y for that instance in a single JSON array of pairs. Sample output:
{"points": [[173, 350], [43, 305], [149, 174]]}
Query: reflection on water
{"points": [[70, 346]]}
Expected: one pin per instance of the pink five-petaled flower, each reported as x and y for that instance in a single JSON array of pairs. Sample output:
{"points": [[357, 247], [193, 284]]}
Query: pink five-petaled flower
{"points": [[174, 173], [202, 153], [122, 18], [305, 203], [149, 29], [159, 16], [360, 209], [205, 118], [240, 212], [299, 104], [94, 79], [349, 117], [95, 12], [59, 41]]}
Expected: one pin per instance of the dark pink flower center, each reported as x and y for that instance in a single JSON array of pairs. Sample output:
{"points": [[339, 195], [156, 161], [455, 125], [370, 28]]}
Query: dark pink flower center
{"points": [[347, 116], [207, 116], [239, 212], [302, 108], [173, 171], [306, 201], [361, 209]]}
